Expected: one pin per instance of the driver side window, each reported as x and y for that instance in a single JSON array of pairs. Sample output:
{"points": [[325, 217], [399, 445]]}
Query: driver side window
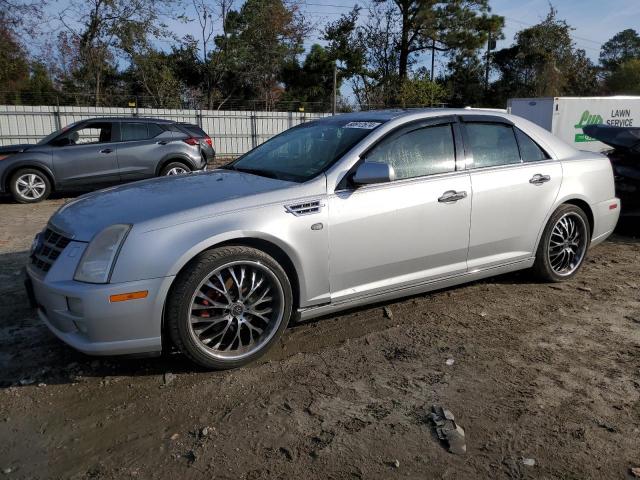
{"points": [[417, 153], [95, 132]]}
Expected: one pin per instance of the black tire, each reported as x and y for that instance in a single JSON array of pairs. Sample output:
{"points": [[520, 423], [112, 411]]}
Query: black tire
{"points": [[545, 267], [187, 286], [40, 190], [167, 169]]}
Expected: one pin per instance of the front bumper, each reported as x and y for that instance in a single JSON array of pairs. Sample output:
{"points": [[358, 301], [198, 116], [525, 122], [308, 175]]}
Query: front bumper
{"points": [[82, 315]]}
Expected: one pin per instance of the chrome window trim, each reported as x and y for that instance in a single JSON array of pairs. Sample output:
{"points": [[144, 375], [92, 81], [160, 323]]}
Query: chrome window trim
{"points": [[403, 181]]}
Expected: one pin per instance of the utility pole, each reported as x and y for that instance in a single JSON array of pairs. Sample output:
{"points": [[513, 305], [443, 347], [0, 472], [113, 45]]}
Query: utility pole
{"points": [[491, 45], [335, 88], [433, 59]]}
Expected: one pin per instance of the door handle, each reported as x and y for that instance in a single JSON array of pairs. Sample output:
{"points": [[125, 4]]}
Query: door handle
{"points": [[538, 179], [451, 196], [106, 150], [162, 142]]}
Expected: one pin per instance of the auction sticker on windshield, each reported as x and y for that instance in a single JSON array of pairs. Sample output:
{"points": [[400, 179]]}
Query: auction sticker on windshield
{"points": [[366, 125]]}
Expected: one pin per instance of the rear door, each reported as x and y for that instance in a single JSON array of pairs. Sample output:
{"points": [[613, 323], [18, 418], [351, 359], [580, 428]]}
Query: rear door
{"points": [[142, 145], [515, 184], [86, 155]]}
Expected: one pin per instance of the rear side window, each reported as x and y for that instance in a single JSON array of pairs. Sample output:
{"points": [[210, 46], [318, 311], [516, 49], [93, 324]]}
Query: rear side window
{"points": [[492, 144], [130, 131], [529, 150], [154, 130], [425, 151], [194, 130]]}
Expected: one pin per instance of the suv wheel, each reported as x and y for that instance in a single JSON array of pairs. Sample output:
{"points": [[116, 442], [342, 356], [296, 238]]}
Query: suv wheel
{"points": [[175, 168], [563, 245], [29, 186], [228, 307]]}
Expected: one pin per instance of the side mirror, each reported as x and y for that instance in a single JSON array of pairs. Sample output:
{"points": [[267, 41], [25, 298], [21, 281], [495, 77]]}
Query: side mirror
{"points": [[373, 172]]}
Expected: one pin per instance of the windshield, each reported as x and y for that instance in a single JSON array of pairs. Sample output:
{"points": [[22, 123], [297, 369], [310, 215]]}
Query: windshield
{"points": [[53, 135], [302, 152]]}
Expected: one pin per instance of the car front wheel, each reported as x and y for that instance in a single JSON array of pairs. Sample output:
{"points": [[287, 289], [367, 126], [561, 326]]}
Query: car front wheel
{"points": [[29, 185], [228, 307], [563, 245]]}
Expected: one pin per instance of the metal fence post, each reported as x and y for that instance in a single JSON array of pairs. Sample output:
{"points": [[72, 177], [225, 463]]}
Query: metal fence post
{"points": [[56, 115], [254, 130], [199, 118]]}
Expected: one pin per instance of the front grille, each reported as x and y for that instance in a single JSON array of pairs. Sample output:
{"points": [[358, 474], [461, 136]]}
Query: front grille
{"points": [[48, 250]]}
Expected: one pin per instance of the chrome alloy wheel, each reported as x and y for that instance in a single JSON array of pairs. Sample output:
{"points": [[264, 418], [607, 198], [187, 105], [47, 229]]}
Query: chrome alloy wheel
{"points": [[567, 244], [177, 171], [236, 310], [31, 186]]}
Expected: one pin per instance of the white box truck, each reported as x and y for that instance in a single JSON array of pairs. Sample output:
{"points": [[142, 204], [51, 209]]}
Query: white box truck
{"points": [[565, 116]]}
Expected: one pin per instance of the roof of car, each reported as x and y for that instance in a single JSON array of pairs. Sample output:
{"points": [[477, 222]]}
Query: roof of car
{"points": [[129, 119]]}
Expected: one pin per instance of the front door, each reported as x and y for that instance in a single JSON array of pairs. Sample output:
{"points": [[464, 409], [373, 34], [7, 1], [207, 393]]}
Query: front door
{"points": [[86, 155], [515, 184], [411, 230]]}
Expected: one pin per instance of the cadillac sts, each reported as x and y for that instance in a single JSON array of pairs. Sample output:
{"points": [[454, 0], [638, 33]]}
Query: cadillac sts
{"points": [[332, 214]]}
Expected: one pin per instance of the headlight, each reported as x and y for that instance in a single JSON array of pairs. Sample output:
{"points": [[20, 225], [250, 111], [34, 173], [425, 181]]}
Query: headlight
{"points": [[97, 260]]}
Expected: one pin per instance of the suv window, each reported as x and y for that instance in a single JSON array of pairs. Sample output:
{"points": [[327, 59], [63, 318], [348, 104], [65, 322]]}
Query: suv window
{"points": [[94, 132], [492, 144], [425, 151], [154, 130], [194, 130], [529, 150], [130, 131]]}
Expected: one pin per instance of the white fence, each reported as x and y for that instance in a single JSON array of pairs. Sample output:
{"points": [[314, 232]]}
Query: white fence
{"points": [[233, 132]]}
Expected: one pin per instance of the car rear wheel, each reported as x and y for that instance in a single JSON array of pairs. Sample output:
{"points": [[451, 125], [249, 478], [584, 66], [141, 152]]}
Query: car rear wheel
{"points": [[228, 307], [29, 185], [175, 168], [563, 245]]}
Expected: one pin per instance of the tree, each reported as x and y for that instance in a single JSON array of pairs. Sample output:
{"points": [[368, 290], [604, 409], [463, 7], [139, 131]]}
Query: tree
{"points": [[623, 46], [312, 82], [14, 68], [544, 62], [626, 78], [420, 91], [109, 28], [260, 39], [438, 25]]}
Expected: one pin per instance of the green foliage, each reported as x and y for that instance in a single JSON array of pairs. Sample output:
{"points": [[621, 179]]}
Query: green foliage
{"points": [[14, 68], [626, 78], [623, 46], [543, 62], [421, 92]]}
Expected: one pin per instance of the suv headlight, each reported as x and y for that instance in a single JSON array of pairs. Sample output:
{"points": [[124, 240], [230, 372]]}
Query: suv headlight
{"points": [[98, 259]]}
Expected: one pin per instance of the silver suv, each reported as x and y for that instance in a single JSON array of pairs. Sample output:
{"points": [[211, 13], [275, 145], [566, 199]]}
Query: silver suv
{"points": [[98, 152]]}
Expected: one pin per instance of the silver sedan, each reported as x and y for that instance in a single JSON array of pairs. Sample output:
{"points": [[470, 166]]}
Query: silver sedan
{"points": [[340, 212]]}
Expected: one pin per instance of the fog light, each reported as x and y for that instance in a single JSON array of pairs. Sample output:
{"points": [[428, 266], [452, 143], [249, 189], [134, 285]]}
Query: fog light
{"points": [[75, 306]]}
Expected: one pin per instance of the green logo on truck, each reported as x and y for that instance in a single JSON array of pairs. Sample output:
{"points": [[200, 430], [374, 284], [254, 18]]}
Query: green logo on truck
{"points": [[586, 119]]}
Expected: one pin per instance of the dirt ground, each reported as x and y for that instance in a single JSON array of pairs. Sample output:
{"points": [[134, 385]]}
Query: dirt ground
{"points": [[549, 373]]}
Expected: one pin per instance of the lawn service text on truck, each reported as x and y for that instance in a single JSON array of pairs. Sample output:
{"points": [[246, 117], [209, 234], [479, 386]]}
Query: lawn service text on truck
{"points": [[566, 117]]}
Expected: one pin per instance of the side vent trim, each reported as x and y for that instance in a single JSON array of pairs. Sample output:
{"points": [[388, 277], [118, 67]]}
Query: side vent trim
{"points": [[308, 207]]}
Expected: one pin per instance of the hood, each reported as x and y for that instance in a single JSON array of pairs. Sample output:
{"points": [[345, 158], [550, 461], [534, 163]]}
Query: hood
{"points": [[626, 138], [6, 149], [162, 202]]}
